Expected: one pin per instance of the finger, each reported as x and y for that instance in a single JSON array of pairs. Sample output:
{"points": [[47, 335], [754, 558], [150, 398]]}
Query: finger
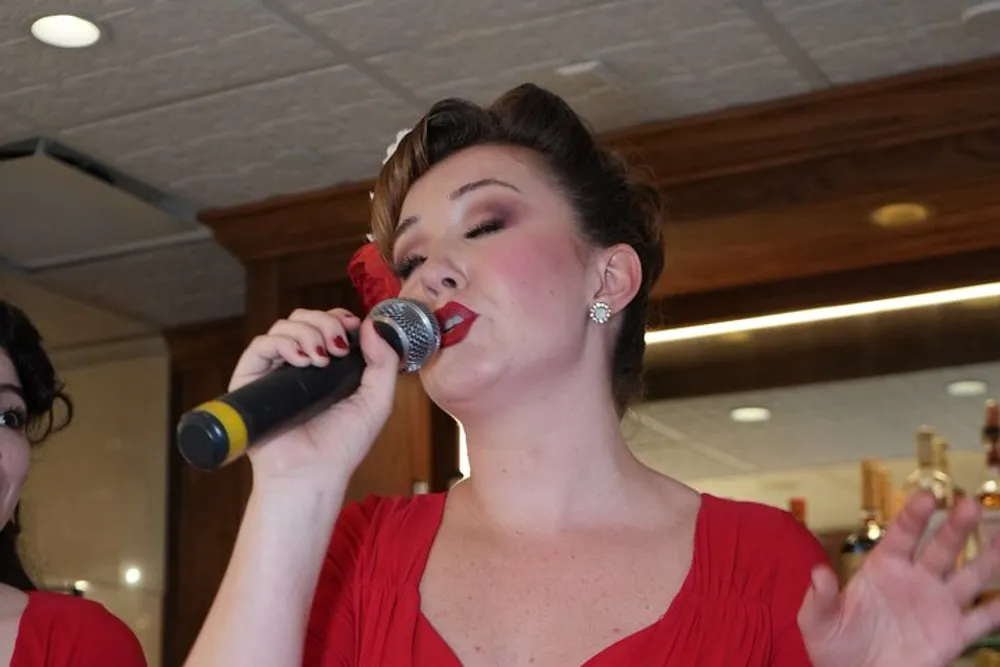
{"points": [[309, 338], [904, 533], [968, 582], [263, 353], [941, 551], [378, 383], [332, 325], [980, 621], [819, 615]]}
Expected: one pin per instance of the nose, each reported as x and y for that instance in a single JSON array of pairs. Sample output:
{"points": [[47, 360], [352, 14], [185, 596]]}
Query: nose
{"points": [[440, 276]]}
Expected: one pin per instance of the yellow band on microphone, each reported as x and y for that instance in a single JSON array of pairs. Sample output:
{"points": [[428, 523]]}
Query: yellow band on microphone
{"points": [[232, 423]]}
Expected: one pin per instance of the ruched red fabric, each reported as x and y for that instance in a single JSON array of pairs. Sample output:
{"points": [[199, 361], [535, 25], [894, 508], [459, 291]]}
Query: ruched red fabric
{"points": [[737, 607]]}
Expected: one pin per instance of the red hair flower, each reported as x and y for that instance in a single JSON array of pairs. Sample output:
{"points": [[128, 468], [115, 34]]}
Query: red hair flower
{"points": [[372, 277]]}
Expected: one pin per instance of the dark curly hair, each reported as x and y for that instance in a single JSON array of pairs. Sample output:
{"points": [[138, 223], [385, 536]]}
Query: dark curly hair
{"points": [[612, 204], [43, 395]]}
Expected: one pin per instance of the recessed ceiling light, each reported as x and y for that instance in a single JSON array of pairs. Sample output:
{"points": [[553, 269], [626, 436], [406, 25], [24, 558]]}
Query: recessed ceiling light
{"points": [[750, 414], [962, 388], [900, 214], [65, 31]]}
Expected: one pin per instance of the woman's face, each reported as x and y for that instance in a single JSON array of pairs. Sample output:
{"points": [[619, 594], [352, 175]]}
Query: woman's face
{"points": [[14, 448], [488, 241]]}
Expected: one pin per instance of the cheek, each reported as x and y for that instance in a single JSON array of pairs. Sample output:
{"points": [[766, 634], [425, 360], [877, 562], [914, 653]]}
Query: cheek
{"points": [[15, 455], [537, 272]]}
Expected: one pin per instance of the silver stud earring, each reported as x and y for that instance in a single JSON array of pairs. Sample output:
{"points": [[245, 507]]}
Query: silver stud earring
{"points": [[600, 312]]}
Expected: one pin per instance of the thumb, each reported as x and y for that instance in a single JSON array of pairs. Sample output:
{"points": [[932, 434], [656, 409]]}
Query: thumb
{"points": [[819, 615], [378, 383]]}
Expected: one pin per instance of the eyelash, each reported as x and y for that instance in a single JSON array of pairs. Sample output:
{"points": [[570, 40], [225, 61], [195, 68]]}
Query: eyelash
{"points": [[407, 265], [15, 419]]}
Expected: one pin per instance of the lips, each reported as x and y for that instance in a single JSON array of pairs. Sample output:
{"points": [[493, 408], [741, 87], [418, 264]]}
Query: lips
{"points": [[455, 321]]}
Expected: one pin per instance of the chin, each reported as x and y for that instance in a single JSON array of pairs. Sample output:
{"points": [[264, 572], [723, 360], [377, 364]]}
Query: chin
{"points": [[455, 379]]}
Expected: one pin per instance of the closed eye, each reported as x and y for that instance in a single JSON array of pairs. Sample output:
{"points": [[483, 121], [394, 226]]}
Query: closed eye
{"points": [[407, 265], [488, 227]]}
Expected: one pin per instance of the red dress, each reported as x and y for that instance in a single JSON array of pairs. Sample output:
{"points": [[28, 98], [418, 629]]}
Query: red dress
{"points": [[59, 630], [736, 608]]}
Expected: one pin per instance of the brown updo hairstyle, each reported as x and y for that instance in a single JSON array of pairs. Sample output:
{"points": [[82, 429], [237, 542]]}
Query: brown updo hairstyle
{"points": [[612, 206]]}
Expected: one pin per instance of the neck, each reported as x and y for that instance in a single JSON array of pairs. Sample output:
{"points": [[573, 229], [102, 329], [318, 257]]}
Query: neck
{"points": [[548, 464]]}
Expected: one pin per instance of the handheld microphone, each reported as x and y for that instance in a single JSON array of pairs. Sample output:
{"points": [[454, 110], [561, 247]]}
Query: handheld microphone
{"points": [[218, 432]]}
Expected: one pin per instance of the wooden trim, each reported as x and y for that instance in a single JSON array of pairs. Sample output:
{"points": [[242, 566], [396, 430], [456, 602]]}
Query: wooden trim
{"points": [[831, 289], [885, 112]]}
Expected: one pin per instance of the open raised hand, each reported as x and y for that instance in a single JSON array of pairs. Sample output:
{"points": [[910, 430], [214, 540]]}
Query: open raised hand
{"points": [[904, 608]]}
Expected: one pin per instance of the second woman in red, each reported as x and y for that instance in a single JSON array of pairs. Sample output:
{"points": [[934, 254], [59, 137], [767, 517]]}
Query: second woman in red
{"points": [[37, 628]]}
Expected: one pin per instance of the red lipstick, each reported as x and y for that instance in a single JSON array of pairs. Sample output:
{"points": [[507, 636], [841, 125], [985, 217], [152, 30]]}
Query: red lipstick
{"points": [[455, 321]]}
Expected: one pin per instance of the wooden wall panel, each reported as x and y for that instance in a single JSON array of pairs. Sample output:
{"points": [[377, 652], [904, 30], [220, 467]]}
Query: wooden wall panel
{"points": [[204, 509]]}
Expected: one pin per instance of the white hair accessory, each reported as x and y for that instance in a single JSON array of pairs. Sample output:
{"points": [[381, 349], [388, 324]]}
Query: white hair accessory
{"points": [[390, 151], [394, 145]]}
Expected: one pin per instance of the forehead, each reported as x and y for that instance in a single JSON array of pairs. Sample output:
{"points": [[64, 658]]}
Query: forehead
{"points": [[514, 165]]}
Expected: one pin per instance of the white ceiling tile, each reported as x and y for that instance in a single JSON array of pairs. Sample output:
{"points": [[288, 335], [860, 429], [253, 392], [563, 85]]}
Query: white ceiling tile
{"points": [[244, 110], [380, 26], [722, 46], [755, 81], [822, 26], [13, 128], [162, 53], [675, 97], [265, 180], [909, 14], [940, 44], [567, 38], [640, 63], [858, 61], [195, 282], [337, 145], [786, 5]]}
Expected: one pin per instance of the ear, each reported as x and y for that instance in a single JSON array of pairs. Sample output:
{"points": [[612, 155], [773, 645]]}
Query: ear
{"points": [[620, 276]]}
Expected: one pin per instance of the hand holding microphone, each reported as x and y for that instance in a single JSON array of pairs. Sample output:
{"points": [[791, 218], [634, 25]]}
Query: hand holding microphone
{"points": [[315, 389]]}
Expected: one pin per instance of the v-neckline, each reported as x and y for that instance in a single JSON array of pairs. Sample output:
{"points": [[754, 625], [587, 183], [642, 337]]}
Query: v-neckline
{"points": [[686, 589]]}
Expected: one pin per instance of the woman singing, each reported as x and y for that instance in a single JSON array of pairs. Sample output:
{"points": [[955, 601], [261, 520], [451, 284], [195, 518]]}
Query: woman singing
{"points": [[537, 250], [41, 629]]}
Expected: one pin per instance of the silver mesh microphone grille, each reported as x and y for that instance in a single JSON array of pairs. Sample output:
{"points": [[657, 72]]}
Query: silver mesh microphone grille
{"points": [[416, 327]]}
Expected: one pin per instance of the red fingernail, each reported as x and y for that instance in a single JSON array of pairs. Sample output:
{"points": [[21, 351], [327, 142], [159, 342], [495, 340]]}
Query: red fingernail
{"points": [[321, 351], [340, 342]]}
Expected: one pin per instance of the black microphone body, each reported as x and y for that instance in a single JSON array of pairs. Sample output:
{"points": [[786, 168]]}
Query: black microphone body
{"points": [[221, 430]]}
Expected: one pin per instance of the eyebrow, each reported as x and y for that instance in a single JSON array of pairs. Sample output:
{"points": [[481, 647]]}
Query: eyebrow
{"points": [[406, 223]]}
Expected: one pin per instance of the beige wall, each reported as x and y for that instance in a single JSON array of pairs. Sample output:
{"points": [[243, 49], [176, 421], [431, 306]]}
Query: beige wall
{"points": [[94, 505], [95, 501]]}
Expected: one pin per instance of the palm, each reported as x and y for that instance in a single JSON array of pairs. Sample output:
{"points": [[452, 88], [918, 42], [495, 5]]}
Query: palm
{"points": [[900, 609]]}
